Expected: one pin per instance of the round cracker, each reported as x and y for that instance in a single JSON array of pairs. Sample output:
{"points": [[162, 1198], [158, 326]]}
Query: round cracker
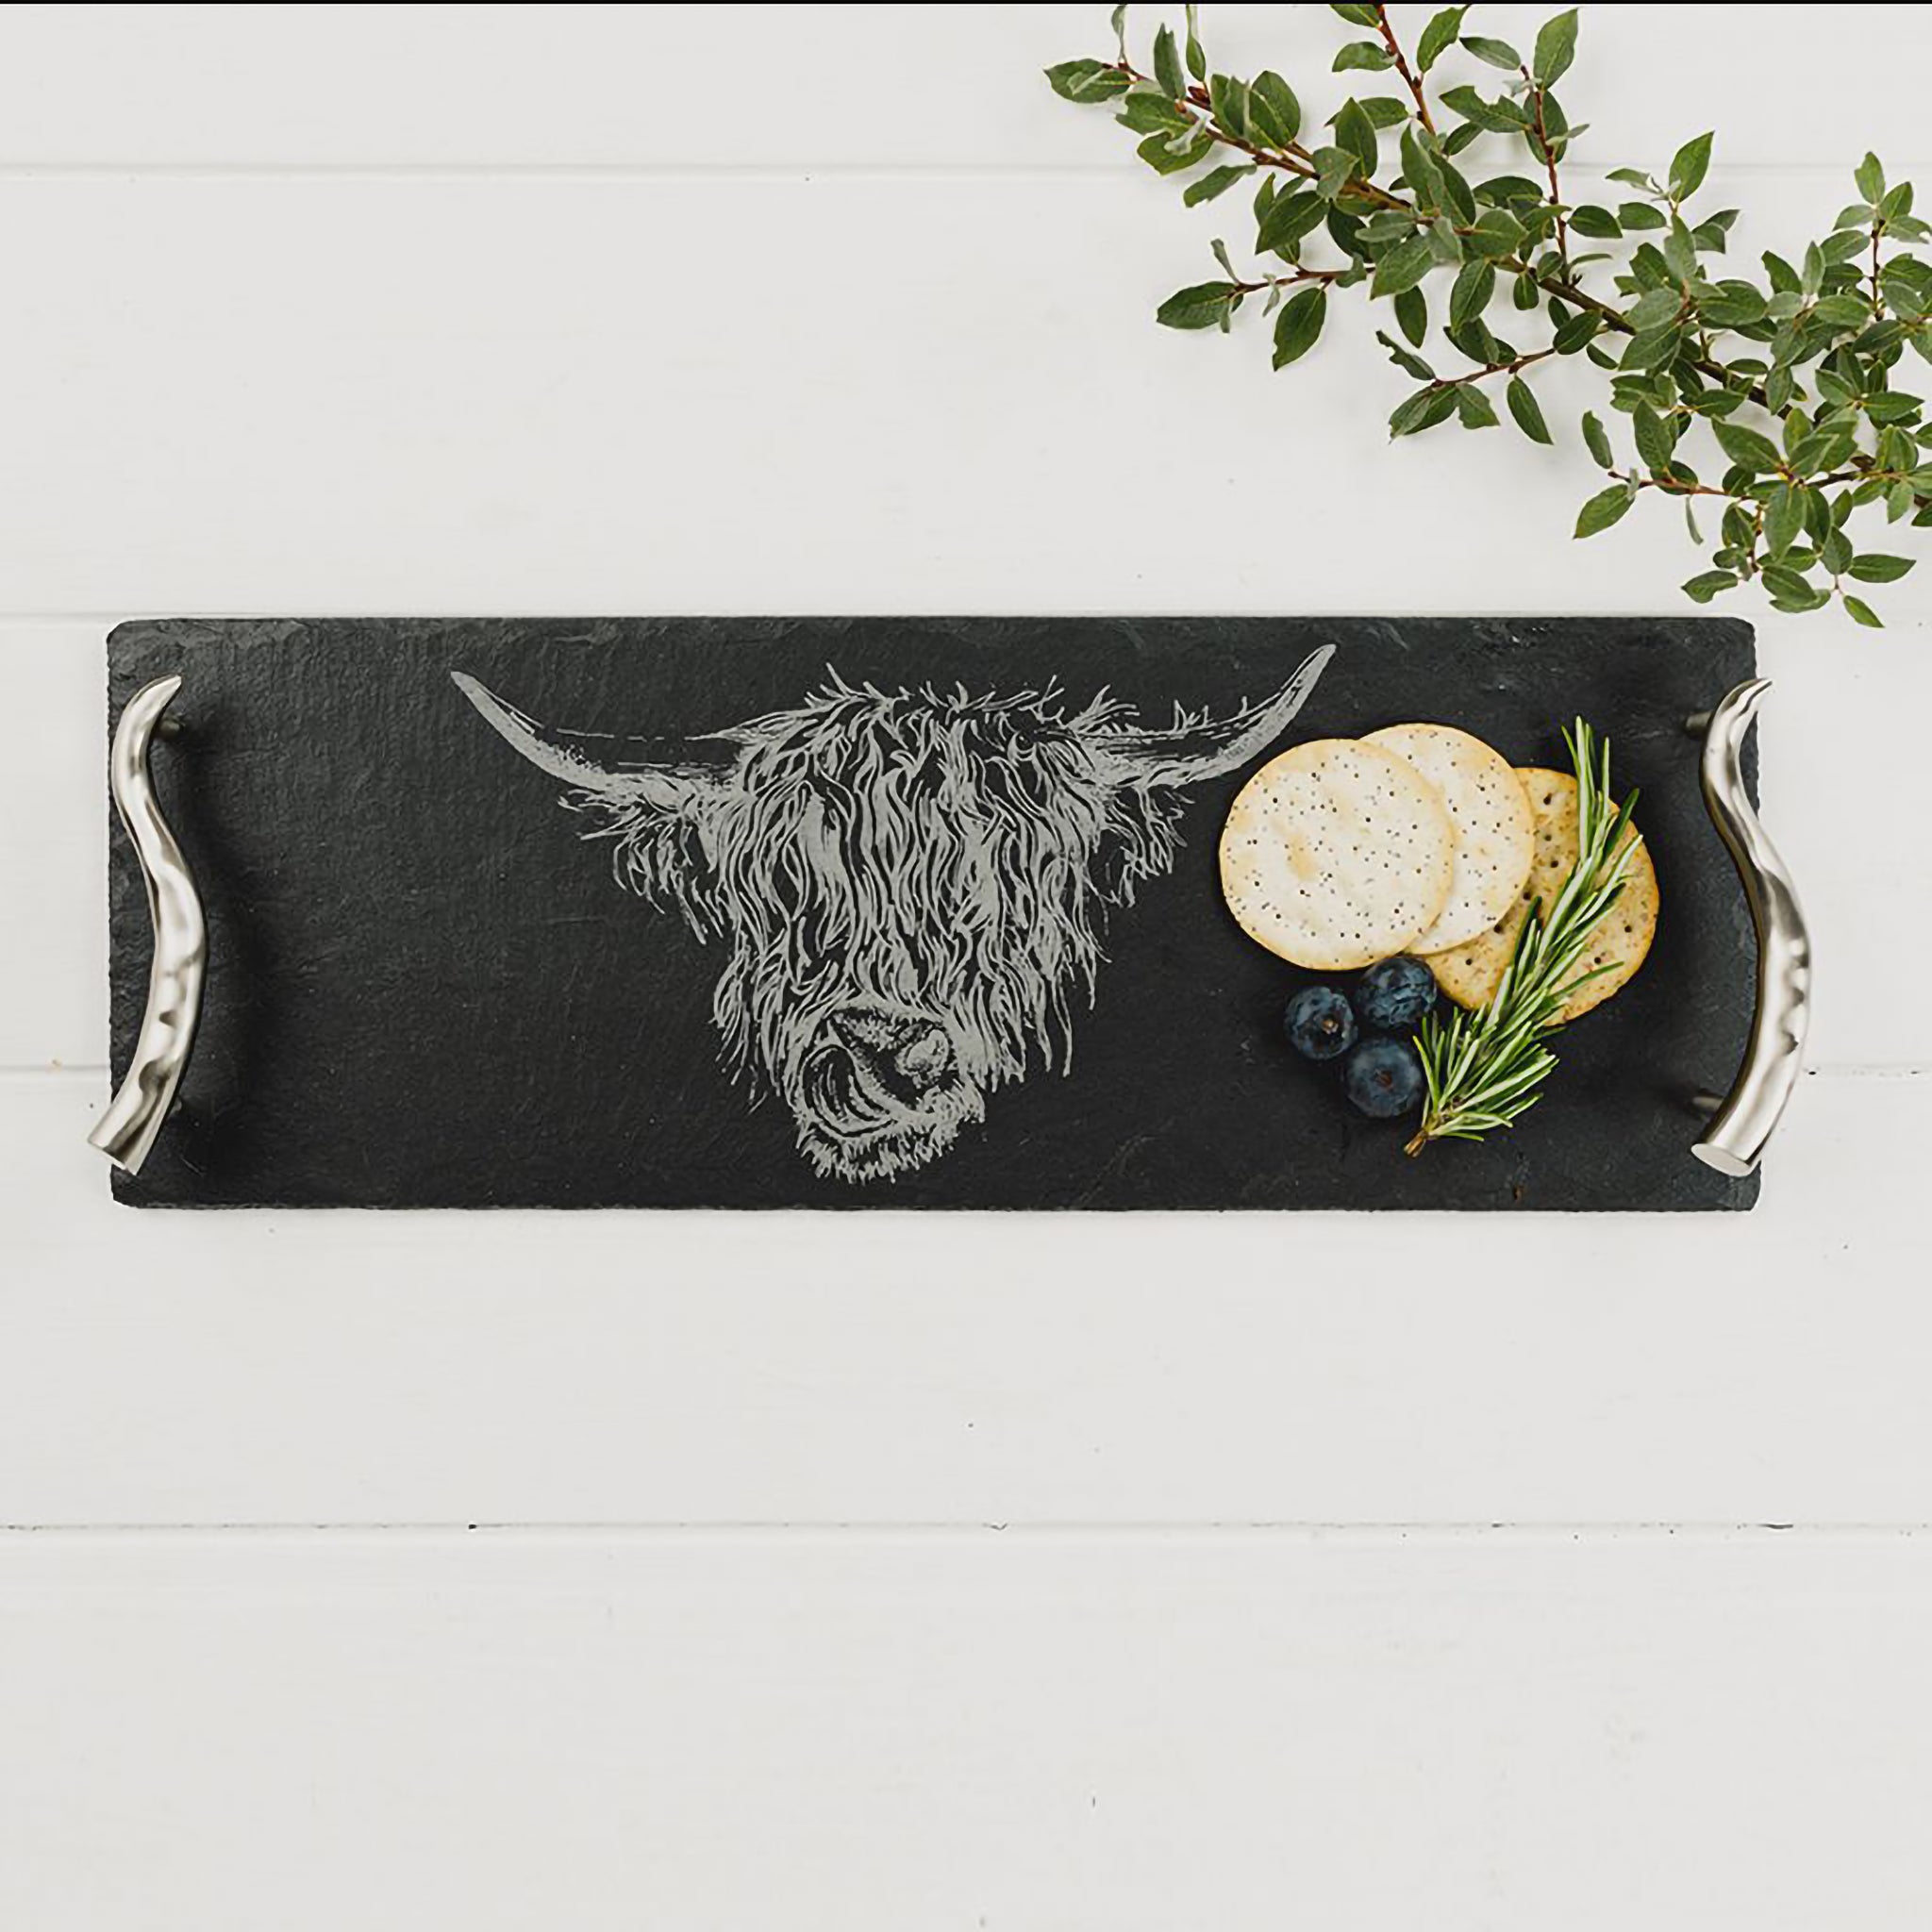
{"points": [[1337, 853], [1471, 973], [1495, 837]]}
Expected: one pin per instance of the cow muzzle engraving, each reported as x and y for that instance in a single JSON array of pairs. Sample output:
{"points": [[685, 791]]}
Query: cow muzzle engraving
{"points": [[881, 1092], [913, 888]]}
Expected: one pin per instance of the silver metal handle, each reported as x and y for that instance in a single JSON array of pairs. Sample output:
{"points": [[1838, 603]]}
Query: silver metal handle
{"points": [[1733, 1143], [126, 1133]]}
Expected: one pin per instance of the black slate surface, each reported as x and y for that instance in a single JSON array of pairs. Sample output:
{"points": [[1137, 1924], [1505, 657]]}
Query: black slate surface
{"points": [[426, 989]]}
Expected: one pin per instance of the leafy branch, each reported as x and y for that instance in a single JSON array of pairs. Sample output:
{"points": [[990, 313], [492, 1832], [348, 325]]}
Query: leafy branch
{"points": [[1779, 385]]}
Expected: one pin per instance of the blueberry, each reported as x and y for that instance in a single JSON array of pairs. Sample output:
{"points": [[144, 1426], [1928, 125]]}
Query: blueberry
{"points": [[1383, 1078], [1394, 995], [1319, 1022]]}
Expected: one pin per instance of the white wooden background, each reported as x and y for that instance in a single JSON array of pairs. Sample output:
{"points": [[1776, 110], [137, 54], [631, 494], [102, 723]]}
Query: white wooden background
{"points": [[700, 1572]]}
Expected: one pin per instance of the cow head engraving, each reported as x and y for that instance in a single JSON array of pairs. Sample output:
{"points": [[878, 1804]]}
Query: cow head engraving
{"points": [[910, 887]]}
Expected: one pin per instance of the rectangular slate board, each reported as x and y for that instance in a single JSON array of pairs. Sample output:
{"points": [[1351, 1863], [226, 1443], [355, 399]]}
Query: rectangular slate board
{"points": [[427, 987]]}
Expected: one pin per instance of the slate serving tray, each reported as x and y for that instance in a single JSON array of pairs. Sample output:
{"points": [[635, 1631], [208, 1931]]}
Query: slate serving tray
{"points": [[428, 987]]}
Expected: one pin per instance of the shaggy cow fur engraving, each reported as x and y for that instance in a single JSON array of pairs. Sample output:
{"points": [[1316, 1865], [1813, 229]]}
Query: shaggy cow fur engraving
{"points": [[912, 886]]}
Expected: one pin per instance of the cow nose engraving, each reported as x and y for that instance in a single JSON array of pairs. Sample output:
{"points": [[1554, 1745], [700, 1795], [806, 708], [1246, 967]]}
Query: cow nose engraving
{"points": [[925, 1058], [911, 1053]]}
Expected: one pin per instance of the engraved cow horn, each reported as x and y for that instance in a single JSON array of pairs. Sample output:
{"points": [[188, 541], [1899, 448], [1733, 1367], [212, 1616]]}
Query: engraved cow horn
{"points": [[1188, 754], [618, 767]]}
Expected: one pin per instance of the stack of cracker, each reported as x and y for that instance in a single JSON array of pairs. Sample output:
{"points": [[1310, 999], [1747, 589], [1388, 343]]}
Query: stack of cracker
{"points": [[1419, 839]]}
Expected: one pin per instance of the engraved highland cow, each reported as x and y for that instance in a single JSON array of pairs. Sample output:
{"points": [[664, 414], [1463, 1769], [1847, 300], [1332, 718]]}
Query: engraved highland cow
{"points": [[912, 886]]}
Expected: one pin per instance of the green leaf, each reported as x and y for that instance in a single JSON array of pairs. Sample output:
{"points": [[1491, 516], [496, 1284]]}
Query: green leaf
{"points": [[1204, 305], [1527, 410], [1299, 324], [1784, 518], [1412, 316], [1356, 132], [1873, 569], [1147, 113], [1118, 22], [1497, 53], [1732, 305], [1476, 410], [1383, 110], [1655, 308], [1556, 48], [1357, 16], [1173, 154], [1273, 112], [1475, 283], [1438, 37], [1653, 349], [1197, 58], [1861, 613], [1423, 411], [1680, 254], [1495, 232], [1869, 175], [1655, 444], [1403, 267], [1575, 332], [1706, 584], [1168, 70], [1746, 448], [1788, 585], [1841, 312], [1605, 508], [1459, 198], [1419, 171], [1597, 441], [1688, 166], [1409, 365], [1641, 214], [1216, 181], [1891, 407], [1087, 81], [1362, 54], [1493, 117], [1335, 168], [1598, 224], [1229, 101], [1289, 218]]}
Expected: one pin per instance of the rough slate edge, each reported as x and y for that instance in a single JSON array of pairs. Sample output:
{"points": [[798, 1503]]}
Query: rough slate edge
{"points": [[142, 649]]}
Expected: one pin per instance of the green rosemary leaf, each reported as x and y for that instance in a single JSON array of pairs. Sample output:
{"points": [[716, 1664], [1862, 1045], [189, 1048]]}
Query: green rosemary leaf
{"points": [[1484, 1070]]}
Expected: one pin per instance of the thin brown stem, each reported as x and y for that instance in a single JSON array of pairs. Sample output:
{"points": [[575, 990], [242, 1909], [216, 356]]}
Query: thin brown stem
{"points": [[1549, 155], [1488, 369], [1411, 79], [1323, 276]]}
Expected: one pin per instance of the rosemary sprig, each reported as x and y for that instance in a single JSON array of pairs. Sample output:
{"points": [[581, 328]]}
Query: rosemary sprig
{"points": [[1485, 1068]]}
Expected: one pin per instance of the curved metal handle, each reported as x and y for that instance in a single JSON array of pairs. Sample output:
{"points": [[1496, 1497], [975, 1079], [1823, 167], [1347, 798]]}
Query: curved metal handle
{"points": [[126, 1131], [1733, 1143]]}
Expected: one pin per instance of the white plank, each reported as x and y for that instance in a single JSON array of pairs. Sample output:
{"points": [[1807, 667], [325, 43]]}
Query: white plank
{"points": [[849, 86], [623, 394], [626, 1368], [868, 1735]]}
